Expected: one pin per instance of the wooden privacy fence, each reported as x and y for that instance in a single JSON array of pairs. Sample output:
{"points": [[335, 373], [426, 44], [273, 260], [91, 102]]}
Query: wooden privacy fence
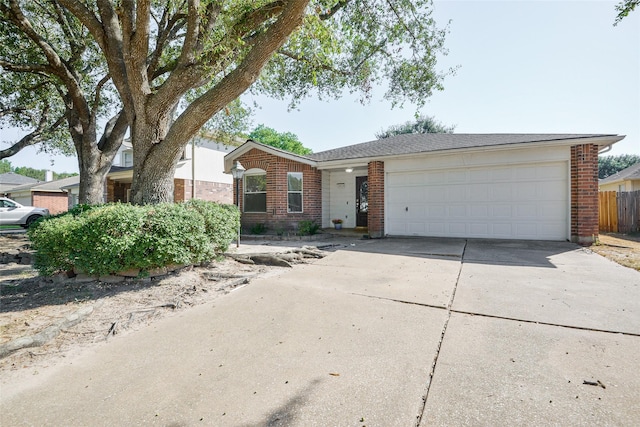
{"points": [[619, 212]]}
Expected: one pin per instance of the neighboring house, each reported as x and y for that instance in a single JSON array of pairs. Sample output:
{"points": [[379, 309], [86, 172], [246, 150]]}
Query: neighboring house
{"points": [[625, 180], [505, 186], [11, 180], [199, 171], [50, 195]]}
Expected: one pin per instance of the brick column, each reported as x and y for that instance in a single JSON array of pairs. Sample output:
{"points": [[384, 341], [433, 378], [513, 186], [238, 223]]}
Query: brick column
{"points": [[584, 193], [375, 217], [109, 190], [179, 190]]}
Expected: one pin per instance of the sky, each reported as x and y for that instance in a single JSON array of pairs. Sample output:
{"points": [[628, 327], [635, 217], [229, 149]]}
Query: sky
{"points": [[523, 67]]}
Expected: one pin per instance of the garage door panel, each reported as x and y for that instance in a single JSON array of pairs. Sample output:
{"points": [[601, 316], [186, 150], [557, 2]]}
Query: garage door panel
{"points": [[526, 173], [551, 191], [552, 172], [478, 192], [501, 211], [456, 193], [480, 211], [519, 202], [502, 230], [527, 191], [500, 191], [457, 229], [458, 211]]}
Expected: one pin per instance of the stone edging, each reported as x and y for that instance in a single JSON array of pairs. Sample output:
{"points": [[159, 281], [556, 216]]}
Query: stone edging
{"points": [[46, 335]]}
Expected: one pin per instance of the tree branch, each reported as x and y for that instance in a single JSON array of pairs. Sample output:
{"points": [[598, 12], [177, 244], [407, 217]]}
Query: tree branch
{"points": [[242, 77], [213, 10], [325, 67], [187, 56], [55, 62], [27, 68], [167, 29], [329, 13], [34, 137], [96, 98], [113, 134]]}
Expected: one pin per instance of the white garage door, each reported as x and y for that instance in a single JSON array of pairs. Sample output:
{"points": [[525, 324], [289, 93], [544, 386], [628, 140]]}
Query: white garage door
{"points": [[508, 202]]}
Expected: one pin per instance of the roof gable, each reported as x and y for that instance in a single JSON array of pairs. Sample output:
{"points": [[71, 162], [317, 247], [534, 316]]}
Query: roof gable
{"points": [[251, 144]]}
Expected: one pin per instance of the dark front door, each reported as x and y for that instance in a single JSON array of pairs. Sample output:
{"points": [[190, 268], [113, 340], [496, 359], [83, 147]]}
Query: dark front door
{"points": [[362, 200]]}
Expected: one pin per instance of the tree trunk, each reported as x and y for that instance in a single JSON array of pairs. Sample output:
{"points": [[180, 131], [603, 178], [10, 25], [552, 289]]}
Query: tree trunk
{"points": [[95, 157], [154, 160], [94, 165]]}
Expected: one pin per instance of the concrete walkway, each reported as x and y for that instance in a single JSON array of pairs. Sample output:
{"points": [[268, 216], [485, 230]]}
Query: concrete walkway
{"points": [[393, 332]]}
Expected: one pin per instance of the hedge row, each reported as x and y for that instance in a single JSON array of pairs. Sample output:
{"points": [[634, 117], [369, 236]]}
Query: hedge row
{"points": [[107, 239]]}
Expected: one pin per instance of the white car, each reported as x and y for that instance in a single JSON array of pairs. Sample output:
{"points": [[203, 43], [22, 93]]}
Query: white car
{"points": [[13, 213]]}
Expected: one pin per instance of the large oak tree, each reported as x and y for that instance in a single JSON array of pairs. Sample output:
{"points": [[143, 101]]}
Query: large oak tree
{"points": [[55, 84], [177, 63]]}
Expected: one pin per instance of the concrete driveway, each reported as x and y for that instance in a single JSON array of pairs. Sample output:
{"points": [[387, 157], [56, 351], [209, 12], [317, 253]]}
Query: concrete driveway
{"points": [[393, 332]]}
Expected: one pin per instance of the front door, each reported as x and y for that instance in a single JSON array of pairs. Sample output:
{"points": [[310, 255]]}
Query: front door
{"points": [[362, 200]]}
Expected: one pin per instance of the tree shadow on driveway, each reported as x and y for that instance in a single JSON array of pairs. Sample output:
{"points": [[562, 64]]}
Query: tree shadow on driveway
{"points": [[529, 253]]}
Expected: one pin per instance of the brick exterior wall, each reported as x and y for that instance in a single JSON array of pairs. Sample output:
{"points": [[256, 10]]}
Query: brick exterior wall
{"points": [[375, 217], [276, 217], [205, 190], [55, 202], [116, 191], [584, 193]]}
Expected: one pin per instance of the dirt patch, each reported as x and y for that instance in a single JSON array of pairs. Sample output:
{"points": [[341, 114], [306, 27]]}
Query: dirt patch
{"points": [[621, 248], [31, 306]]}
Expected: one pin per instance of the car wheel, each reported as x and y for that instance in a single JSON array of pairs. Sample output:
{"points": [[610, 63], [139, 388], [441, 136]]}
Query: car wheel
{"points": [[31, 220]]}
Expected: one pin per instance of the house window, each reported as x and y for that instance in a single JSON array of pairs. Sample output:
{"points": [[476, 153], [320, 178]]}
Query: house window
{"points": [[127, 158], [294, 191], [255, 193]]}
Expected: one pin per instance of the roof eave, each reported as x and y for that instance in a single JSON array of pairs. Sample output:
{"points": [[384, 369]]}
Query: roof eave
{"points": [[605, 140]]}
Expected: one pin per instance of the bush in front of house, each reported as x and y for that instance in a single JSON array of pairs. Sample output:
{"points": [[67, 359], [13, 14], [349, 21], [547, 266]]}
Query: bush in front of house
{"points": [[308, 228], [117, 237], [51, 239], [221, 222]]}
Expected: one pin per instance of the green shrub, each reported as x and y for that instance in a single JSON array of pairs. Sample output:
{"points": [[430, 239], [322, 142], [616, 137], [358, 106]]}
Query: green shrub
{"points": [[171, 234], [259, 228], [80, 208], [51, 239], [221, 222], [115, 237], [308, 228], [106, 240]]}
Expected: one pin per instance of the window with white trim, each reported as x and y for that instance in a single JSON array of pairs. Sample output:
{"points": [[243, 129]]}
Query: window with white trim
{"points": [[255, 193], [294, 192], [127, 158]]}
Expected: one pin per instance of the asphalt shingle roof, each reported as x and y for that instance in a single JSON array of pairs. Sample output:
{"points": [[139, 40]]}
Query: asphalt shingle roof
{"points": [[47, 186], [632, 172], [428, 142], [15, 178]]}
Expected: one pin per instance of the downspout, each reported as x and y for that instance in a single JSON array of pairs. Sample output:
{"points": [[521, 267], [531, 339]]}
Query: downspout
{"points": [[605, 150], [193, 168]]}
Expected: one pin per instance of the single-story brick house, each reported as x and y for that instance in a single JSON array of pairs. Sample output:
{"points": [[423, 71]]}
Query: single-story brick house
{"points": [[50, 194], [625, 180], [505, 186], [11, 180]]}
